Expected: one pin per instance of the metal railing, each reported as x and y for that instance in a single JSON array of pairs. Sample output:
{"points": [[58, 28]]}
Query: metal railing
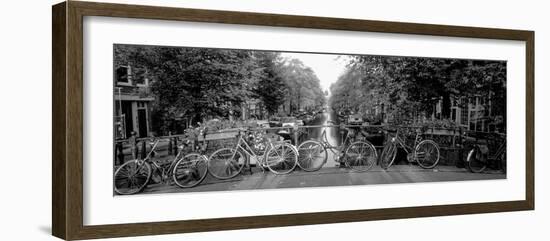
{"points": [[449, 139]]}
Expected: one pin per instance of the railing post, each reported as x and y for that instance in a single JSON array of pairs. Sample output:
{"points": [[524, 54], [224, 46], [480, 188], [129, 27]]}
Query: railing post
{"points": [[119, 153], [143, 149], [169, 143], [461, 150], [295, 135], [175, 146], [454, 137], [132, 141]]}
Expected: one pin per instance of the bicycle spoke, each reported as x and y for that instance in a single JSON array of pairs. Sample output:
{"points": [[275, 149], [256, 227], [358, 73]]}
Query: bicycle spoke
{"points": [[311, 156], [131, 177], [316, 149], [225, 168], [122, 182], [359, 156], [234, 165], [427, 154], [282, 159], [124, 172], [362, 150], [387, 156], [429, 150]]}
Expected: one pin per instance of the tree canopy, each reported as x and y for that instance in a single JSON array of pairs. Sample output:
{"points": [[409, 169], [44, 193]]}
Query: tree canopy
{"points": [[406, 86], [271, 88], [198, 84], [304, 86]]}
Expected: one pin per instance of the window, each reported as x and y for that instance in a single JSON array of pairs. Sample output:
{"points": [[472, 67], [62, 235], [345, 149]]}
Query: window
{"points": [[140, 76], [453, 115], [122, 75], [463, 116]]}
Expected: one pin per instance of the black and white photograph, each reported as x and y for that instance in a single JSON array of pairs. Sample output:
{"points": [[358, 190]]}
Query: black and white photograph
{"points": [[195, 119], [232, 120]]}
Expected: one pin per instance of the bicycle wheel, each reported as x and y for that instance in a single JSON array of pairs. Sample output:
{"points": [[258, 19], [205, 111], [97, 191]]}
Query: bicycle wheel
{"points": [[311, 156], [388, 155], [281, 159], [131, 177], [360, 156], [476, 162], [426, 154], [226, 163], [190, 170]]}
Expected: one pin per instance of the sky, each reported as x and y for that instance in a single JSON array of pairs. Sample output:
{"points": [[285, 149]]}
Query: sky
{"points": [[327, 67]]}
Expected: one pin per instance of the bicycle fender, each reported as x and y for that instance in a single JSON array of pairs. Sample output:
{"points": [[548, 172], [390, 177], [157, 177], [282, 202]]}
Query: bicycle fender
{"points": [[470, 153], [482, 148]]}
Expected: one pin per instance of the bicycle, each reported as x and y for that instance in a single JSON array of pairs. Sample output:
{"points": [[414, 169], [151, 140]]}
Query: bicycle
{"points": [[187, 171], [279, 157], [133, 176], [360, 156], [424, 152], [480, 156]]}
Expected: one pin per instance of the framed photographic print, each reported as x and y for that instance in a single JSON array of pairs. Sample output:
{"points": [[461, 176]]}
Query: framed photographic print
{"points": [[213, 120]]}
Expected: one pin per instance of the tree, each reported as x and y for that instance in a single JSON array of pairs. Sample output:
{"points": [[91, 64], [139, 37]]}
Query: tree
{"points": [[193, 83], [410, 86], [271, 88], [198, 84], [304, 86]]}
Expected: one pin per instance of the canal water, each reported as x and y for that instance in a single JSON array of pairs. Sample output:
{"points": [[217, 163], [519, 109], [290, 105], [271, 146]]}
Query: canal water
{"points": [[332, 133]]}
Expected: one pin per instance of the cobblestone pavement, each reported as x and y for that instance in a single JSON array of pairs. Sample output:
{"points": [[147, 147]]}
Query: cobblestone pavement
{"points": [[331, 176]]}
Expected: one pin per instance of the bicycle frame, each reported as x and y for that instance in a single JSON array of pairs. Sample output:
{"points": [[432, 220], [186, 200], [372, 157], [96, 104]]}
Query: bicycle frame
{"points": [[492, 155], [153, 148], [344, 152], [501, 149], [248, 150], [329, 146], [154, 168], [483, 155], [338, 151], [403, 143], [163, 171], [243, 145], [160, 169]]}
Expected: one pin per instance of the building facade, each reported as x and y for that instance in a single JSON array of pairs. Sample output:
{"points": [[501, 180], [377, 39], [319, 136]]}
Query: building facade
{"points": [[132, 100], [252, 109], [475, 114]]}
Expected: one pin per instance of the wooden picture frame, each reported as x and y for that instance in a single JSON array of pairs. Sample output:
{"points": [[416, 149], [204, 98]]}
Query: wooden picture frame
{"points": [[67, 123]]}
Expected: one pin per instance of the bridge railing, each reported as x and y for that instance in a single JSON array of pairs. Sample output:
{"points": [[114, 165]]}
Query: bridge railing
{"points": [[451, 140]]}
